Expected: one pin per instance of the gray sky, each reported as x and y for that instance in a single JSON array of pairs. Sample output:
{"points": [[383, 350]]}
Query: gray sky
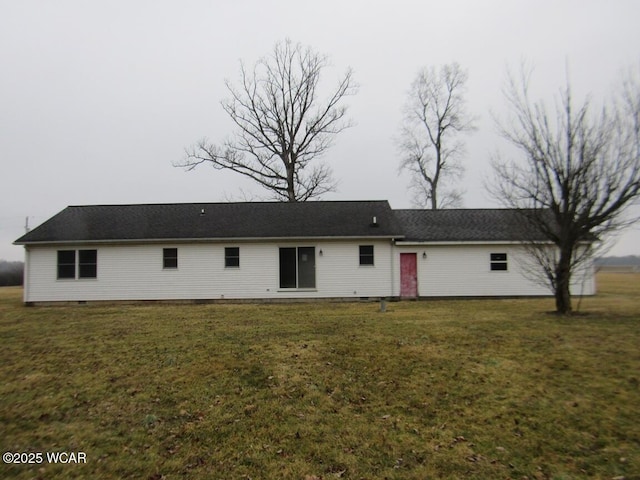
{"points": [[97, 99]]}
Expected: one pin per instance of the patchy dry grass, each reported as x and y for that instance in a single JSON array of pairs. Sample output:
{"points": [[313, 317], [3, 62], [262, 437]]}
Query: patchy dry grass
{"points": [[442, 389]]}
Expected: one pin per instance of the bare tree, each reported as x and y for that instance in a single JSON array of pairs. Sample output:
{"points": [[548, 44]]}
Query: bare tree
{"points": [[434, 117], [282, 124], [578, 173]]}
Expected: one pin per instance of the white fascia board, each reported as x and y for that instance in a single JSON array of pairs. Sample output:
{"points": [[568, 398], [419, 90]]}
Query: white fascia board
{"points": [[402, 243], [462, 242], [142, 241]]}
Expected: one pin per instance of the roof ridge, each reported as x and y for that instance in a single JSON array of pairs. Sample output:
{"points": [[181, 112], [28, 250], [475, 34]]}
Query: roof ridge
{"points": [[270, 202]]}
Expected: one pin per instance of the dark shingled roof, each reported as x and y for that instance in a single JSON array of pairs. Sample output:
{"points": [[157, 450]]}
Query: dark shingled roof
{"points": [[258, 220], [219, 221], [465, 225]]}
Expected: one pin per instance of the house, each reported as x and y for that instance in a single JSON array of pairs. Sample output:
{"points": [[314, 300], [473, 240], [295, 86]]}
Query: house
{"points": [[276, 251], [475, 253]]}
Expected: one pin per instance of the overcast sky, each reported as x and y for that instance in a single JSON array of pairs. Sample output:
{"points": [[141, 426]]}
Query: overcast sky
{"points": [[98, 98]]}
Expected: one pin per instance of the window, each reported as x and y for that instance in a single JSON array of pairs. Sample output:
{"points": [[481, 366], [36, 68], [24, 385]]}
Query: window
{"points": [[298, 267], [366, 254], [87, 264], [498, 261], [231, 257], [169, 258], [66, 264], [288, 268]]}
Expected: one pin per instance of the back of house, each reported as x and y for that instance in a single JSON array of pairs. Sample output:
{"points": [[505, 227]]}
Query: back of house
{"points": [[272, 251]]}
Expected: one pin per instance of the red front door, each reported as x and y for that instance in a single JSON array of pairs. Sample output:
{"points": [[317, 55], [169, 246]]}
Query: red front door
{"points": [[408, 275]]}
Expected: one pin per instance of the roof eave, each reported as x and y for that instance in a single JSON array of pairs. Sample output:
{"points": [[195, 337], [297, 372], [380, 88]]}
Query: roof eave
{"points": [[204, 240], [467, 242], [480, 242]]}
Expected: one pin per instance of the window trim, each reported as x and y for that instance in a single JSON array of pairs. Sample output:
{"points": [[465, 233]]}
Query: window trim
{"points": [[367, 256], [168, 260], [297, 256], [93, 265], [231, 261], [79, 265], [286, 269], [499, 262], [67, 264]]}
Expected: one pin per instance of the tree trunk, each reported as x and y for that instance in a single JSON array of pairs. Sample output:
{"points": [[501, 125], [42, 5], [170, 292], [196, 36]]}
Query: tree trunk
{"points": [[291, 186], [434, 196], [563, 283]]}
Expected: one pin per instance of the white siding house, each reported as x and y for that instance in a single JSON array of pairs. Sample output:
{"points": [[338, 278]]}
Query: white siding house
{"points": [[277, 251], [465, 270], [136, 272]]}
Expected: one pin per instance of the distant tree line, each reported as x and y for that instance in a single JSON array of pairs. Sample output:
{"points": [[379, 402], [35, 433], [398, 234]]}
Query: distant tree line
{"points": [[628, 260], [11, 273]]}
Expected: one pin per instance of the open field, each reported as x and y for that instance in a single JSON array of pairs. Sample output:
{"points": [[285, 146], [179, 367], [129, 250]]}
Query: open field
{"points": [[444, 389]]}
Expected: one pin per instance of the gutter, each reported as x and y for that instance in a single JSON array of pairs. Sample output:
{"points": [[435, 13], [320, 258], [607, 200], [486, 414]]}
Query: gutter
{"points": [[426, 243], [466, 242], [116, 241]]}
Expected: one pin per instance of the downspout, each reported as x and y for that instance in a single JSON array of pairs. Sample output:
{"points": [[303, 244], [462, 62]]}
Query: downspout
{"points": [[25, 275], [392, 255]]}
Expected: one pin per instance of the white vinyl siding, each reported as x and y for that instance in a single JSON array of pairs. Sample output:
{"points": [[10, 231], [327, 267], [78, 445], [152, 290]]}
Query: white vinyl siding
{"points": [[135, 272], [465, 271]]}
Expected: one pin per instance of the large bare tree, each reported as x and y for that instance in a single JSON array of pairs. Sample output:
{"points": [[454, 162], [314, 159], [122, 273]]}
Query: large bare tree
{"points": [[577, 173], [282, 123], [430, 144]]}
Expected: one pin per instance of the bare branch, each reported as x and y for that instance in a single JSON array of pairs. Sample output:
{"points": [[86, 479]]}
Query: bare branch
{"points": [[282, 124], [434, 117], [578, 173]]}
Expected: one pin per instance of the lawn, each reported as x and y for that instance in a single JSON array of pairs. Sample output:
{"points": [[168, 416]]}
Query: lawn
{"points": [[436, 389]]}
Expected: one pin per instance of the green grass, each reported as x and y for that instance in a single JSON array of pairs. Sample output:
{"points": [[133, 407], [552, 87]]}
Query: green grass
{"points": [[435, 389]]}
